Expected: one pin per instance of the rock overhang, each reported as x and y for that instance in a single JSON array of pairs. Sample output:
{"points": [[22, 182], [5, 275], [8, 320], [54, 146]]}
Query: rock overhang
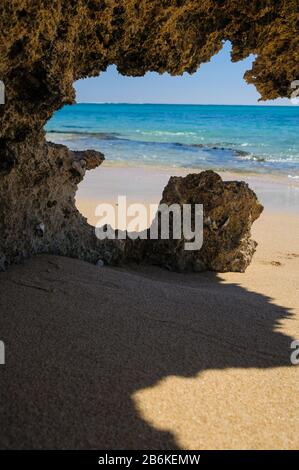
{"points": [[46, 45]]}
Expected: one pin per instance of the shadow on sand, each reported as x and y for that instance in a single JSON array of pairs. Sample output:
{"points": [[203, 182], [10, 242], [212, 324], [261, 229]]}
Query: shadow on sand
{"points": [[80, 341]]}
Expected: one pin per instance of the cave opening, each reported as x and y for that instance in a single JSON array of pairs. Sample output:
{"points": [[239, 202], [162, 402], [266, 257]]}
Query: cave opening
{"points": [[142, 127]]}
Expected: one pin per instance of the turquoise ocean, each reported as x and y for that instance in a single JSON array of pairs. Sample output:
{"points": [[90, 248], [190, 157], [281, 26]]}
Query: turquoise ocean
{"points": [[260, 139]]}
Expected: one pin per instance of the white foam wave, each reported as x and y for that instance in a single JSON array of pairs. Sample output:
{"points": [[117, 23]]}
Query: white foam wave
{"points": [[169, 133]]}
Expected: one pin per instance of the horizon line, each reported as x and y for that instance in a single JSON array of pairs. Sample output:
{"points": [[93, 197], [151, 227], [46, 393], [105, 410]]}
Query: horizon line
{"points": [[185, 104]]}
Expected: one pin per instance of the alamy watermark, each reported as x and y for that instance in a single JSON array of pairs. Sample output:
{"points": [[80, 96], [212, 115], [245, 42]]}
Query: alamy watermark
{"points": [[169, 222], [295, 354], [2, 353], [2, 92], [295, 93]]}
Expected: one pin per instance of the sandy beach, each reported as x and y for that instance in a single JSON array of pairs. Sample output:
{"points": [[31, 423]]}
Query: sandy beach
{"points": [[278, 194], [141, 358], [134, 344]]}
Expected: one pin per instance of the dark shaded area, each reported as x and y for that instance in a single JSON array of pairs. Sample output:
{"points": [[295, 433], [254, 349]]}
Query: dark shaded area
{"points": [[76, 352], [80, 341]]}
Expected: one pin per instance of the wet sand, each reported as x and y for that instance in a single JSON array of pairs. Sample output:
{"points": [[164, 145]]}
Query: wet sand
{"points": [[145, 185]]}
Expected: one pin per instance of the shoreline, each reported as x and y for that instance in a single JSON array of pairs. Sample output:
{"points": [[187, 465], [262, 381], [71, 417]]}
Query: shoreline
{"points": [[142, 184], [274, 176]]}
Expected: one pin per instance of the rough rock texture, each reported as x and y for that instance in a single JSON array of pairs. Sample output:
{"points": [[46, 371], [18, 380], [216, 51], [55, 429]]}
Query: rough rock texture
{"points": [[46, 45], [230, 208], [37, 210]]}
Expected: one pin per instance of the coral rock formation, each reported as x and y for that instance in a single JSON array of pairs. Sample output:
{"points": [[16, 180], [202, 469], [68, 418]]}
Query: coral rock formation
{"points": [[46, 45], [229, 209], [37, 209]]}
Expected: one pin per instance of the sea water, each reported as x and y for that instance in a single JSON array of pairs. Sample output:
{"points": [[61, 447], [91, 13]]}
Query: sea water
{"points": [[262, 139]]}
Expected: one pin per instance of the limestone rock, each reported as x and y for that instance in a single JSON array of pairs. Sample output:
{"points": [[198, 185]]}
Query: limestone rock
{"points": [[229, 209], [37, 203]]}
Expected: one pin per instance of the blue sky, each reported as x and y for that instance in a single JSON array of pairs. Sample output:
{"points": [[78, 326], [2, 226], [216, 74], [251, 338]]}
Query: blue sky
{"points": [[218, 82]]}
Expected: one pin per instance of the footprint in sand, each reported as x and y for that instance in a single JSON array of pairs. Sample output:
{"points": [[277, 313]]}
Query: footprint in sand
{"points": [[291, 255], [276, 263]]}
